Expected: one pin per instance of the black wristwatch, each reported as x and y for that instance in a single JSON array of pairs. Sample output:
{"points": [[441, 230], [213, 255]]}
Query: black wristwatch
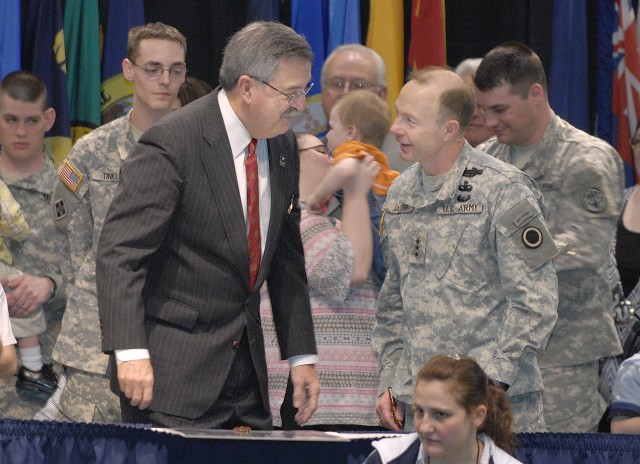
{"points": [[54, 289]]}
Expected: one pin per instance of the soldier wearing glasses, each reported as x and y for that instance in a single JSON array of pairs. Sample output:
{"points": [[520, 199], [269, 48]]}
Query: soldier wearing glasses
{"points": [[87, 181]]}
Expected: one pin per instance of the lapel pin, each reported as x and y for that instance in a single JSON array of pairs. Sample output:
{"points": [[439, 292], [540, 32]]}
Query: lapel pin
{"points": [[283, 160]]}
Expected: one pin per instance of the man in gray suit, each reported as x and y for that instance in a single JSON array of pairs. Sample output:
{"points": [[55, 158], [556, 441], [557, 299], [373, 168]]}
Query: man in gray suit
{"points": [[178, 308]]}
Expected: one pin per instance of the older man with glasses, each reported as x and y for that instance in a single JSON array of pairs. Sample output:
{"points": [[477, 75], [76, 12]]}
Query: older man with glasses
{"points": [[207, 212], [353, 67]]}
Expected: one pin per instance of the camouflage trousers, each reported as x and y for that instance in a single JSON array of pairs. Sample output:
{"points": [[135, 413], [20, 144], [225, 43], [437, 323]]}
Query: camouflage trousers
{"points": [[526, 410], [527, 413], [572, 402], [87, 398]]}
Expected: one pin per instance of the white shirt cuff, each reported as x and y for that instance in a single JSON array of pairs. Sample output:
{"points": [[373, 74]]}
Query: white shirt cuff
{"points": [[302, 359], [141, 353], [131, 355]]}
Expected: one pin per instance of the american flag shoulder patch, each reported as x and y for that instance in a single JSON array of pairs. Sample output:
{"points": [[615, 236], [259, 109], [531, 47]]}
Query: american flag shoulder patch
{"points": [[70, 176]]}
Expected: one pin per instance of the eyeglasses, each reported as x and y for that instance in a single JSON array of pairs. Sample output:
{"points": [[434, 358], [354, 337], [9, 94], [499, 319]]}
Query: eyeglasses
{"points": [[338, 85], [321, 148], [290, 96], [154, 72]]}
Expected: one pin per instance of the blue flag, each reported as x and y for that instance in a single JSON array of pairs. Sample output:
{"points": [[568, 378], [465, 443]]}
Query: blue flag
{"points": [[344, 23], [606, 127], [116, 91], [9, 37], [310, 19], [569, 73], [43, 54]]}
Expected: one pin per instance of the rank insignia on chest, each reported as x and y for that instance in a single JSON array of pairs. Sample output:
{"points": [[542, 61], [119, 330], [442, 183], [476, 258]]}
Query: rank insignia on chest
{"points": [[418, 247]]}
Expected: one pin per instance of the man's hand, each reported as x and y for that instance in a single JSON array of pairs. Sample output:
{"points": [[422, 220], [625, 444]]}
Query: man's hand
{"points": [[136, 381], [306, 388], [27, 294], [384, 411]]}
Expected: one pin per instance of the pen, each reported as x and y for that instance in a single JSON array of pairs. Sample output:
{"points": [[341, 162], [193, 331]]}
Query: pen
{"points": [[392, 402]]}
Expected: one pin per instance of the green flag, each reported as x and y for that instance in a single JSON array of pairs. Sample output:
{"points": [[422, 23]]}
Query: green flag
{"points": [[82, 44]]}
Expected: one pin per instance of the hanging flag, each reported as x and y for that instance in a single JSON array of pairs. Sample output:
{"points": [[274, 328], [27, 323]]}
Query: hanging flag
{"points": [[386, 36], [82, 45], [344, 23], [9, 37], [116, 91], [626, 82], [43, 54], [428, 45], [310, 19], [607, 25], [263, 10], [569, 71]]}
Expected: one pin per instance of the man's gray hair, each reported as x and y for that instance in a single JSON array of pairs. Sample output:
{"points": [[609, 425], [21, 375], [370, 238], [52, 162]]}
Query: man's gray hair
{"points": [[381, 68], [468, 67], [258, 48]]}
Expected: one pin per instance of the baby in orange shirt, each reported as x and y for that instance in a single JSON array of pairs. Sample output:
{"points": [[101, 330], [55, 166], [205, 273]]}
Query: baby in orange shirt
{"points": [[358, 123]]}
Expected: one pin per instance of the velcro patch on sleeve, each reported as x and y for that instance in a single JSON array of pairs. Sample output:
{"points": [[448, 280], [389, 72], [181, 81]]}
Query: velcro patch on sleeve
{"points": [[70, 176], [526, 229]]}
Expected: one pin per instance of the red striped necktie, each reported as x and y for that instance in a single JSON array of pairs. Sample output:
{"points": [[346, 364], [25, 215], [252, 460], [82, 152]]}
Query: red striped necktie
{"points": [[253, 213]]}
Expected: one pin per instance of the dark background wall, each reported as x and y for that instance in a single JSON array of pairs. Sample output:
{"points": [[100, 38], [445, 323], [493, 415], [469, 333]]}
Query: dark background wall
{"points": [[473, 26]]}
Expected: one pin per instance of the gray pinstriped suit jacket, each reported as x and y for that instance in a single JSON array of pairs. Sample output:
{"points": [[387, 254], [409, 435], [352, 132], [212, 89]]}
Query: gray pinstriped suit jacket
{"points": [[173, 263]]}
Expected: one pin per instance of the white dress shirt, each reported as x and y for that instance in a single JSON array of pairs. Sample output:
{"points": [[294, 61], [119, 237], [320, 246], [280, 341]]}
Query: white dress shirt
{"points": [[239, 139]]}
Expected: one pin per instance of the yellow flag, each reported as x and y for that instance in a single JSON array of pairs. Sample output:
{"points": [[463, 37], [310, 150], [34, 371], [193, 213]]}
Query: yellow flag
{"points": [[386, 36]]}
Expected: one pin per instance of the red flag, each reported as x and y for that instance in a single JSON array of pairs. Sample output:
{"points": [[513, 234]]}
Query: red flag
{"points": [[428, 34], [626, 82]]}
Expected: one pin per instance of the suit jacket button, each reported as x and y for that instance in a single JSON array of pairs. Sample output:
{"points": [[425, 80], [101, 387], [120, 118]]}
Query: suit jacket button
{"points": [[236, 344]]}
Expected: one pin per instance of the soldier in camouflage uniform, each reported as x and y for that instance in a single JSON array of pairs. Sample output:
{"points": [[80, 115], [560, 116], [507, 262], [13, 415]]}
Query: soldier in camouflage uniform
{"points": [[86, 184], [30, 175], [468, 255], [582, 181]]}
